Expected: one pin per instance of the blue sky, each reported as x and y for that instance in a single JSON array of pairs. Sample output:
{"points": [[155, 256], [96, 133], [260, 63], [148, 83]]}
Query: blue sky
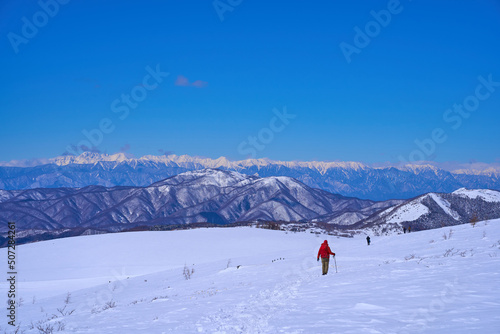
{"points": [[252, 79]]}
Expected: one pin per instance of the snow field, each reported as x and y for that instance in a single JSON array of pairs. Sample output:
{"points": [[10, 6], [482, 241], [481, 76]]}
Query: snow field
{"points": [[424, 282]]}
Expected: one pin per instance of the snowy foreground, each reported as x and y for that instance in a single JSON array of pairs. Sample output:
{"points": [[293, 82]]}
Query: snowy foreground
{"points": [[438, 281]]}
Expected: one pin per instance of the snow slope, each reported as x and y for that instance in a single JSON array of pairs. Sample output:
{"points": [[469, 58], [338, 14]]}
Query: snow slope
{"points": [[408, 212], [445, 205], [436, 281], [485, 194]]}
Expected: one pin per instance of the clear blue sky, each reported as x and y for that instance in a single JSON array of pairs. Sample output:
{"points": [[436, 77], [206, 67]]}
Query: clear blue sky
{"points": [[230, 67]]}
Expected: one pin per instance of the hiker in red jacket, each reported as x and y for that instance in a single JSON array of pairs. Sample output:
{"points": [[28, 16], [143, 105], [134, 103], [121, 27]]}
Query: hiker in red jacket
{"points": [[324, 252]]}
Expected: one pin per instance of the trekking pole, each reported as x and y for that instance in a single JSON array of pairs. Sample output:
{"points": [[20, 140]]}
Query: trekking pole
{"points": [[334, 259]]}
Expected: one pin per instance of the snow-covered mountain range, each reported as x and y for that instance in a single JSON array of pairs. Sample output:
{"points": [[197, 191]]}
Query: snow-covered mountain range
{"points": [[346, 178], [210, 195], [224, 197]]}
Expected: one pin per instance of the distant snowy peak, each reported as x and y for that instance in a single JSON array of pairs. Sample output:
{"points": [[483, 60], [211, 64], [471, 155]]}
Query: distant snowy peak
{"points": [[485, 194], [322, 167], [208, 177], [93, 158], [224, 178], [483, 170], [416, 168], [89, 158], [281, 180]]}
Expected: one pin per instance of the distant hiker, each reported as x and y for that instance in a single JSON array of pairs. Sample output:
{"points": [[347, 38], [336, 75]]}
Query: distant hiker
{"points": [[368, 240], [324, 252], [404, 230], [409, 229]]}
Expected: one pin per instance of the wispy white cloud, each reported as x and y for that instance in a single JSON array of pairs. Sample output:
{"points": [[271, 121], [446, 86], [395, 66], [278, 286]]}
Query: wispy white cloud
{"points": [[183, 81], [199, 84]]}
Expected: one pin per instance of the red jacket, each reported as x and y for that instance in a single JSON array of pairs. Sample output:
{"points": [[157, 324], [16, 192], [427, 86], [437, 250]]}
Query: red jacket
{"points": [[325, 250]]}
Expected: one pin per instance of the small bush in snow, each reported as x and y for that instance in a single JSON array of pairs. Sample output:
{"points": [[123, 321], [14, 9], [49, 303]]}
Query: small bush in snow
{"points": [[187, 272], [160, 297], [17, 330], [138, 301], [64, 312], [61, 326], [410, 257], [449, 252], [448, 236], [67, 300], [45, 328], [474, 220], [108, 305]]}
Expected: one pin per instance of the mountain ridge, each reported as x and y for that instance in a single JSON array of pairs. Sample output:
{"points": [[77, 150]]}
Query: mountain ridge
{"points": [[211, 195], [94, 157], [435, 210], [350, 179]]}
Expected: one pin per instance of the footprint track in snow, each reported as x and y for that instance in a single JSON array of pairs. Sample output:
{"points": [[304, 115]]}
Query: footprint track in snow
{"points": [[253, 315]]}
